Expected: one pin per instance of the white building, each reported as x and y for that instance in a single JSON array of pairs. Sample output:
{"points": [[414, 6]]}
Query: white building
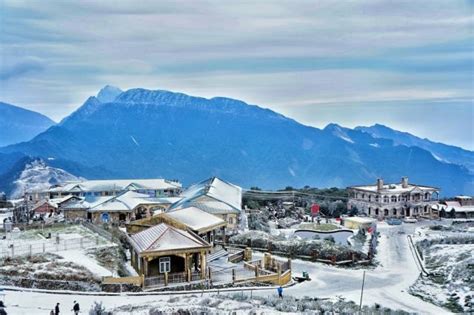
{"points": [[110, 187], [393, 200], [461, 207], [215, 196]]}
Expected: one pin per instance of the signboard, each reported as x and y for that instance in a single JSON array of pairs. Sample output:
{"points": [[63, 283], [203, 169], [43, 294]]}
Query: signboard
{"points": [[314, 209], [105, 217]]}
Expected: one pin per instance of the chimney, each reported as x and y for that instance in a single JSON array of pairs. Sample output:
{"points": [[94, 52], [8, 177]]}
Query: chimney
{"points": [[404, 182], [379, 184]]}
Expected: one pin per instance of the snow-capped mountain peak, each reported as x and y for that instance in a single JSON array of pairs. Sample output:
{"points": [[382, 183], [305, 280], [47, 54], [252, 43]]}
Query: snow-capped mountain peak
{"points": [[108, 93]]}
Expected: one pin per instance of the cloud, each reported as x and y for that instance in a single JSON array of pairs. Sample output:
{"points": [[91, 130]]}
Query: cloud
{"points": [[20, 69], [277, 54]]}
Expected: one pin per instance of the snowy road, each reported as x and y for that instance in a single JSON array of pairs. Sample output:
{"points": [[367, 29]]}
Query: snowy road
{"points": [[386, 284]]}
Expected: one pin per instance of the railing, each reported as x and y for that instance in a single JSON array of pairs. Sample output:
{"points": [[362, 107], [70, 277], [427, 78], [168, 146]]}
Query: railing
{"points": [[237, 257], [177, 277], [154, 281], [12, 249]]}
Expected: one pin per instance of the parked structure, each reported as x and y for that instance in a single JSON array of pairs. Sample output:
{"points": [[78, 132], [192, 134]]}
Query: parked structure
{"points": [[112, 187], [461, 207], [393, 200], [214, 196]]}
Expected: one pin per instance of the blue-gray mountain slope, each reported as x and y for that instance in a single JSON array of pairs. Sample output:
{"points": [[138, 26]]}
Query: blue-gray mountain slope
{"points": [[143, 133]]}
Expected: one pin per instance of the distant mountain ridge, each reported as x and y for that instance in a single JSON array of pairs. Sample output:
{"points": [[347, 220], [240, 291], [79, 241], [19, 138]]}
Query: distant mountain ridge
{"points": [[442, 152], [142, 133], [18, 124]]}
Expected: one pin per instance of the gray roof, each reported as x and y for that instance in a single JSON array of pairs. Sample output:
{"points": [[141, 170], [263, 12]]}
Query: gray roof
{"points": [[163, 237]]}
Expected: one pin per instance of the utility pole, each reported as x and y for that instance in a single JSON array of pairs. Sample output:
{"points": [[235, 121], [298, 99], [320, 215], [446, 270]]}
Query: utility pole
{"points": [[362, 291]]}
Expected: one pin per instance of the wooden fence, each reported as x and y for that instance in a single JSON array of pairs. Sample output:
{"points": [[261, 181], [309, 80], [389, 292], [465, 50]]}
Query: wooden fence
{"points": [[135, 280]]}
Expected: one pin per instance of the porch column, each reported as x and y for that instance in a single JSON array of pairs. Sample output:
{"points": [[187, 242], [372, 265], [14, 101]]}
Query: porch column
{"points": [[145, 266], [203, 264]]}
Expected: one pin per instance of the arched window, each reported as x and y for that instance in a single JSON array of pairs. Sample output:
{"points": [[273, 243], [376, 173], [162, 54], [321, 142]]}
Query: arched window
{"points": [[386, 199], [394, 199]]}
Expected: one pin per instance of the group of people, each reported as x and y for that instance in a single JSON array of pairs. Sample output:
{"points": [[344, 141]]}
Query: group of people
{"points": [[75, 309]]}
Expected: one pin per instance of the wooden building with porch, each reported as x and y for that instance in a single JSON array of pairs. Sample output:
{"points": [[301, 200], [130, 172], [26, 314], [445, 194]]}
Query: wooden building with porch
{"points": [[205, 225], [164, 252]]}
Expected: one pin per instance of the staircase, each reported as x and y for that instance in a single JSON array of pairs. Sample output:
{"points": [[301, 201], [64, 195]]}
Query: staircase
{"points": [[216, 255]]}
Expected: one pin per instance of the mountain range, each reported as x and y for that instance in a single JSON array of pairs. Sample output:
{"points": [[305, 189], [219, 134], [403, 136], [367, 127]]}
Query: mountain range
{"points": [[18, 124], [142, 133]]}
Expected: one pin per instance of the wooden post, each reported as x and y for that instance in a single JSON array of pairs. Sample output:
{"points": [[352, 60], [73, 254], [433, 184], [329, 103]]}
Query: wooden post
{"points": [[256, 272], [209, 274], [248, 254], [145, 266], [189, 274], [203, 265], [166, 278], [233, 275]]}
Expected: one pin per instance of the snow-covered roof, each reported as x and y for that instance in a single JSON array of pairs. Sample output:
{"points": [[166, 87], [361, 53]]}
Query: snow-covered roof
{"points": [[463, 197], [213, 193], [394, 188], [126, 201], [450, 205], [116, 185], [163, 237], [197, 219]]}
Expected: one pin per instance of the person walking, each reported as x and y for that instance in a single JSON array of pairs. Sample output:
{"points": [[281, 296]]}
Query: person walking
{"points": [[56, 309], [76, 308], [2, 308], [280, 292]]}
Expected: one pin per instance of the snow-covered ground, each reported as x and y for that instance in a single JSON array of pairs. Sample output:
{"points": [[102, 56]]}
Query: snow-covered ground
{"points": [[387, 284], [39, 176], [447, 254]]}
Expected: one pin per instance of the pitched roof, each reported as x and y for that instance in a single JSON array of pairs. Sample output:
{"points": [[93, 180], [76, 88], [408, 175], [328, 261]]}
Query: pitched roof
{"points": [[163, 237], [116, 185], [213, 193], [125, 201], [197, 219]]}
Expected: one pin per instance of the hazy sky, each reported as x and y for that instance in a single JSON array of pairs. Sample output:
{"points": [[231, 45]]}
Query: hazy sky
{"points": [[407, 64]]}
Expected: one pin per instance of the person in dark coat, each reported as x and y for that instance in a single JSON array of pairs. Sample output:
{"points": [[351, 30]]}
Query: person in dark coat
{"points": [[76, 308], [280, 292], [56, 309], [2, 309]]}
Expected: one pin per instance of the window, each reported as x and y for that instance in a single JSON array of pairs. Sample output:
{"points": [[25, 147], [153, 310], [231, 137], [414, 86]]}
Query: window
{"points": [[394, 198], [230, 220], [165, 264]]}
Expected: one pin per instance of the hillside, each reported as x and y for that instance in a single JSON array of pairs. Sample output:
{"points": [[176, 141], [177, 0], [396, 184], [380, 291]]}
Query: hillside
{"points": [[144, 133], [18, 124], [442, 152]]}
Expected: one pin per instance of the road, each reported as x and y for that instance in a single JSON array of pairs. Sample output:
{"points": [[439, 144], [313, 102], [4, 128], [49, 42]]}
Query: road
{"points": [[386, 284]]}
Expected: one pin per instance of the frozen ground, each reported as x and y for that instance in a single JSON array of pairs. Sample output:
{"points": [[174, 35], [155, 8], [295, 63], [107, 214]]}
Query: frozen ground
{"points": [[387, 284], [63, 238], [448, 257]]}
